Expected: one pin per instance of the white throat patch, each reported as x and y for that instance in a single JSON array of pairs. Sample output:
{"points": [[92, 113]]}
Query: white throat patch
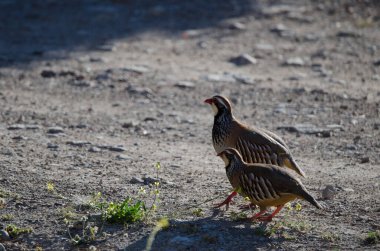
{"points": [[214, 109]]}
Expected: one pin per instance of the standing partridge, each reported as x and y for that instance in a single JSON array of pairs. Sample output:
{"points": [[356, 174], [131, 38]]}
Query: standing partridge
{"points": [[256, 145], [266, 185]]}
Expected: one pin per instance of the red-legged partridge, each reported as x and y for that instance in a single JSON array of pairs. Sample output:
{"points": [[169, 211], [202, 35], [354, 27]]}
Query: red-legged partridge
{"points": [[256, 145], [266, 185]]}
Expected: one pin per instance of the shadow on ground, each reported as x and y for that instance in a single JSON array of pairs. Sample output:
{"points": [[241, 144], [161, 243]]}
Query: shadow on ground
{"points": [[208, 234], [34, 29]]}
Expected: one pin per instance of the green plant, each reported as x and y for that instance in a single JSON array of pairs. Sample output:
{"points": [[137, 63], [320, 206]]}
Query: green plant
{"points": [[330, 236], [372, 237], [198, 212], [125, 212], [87, 234], [7, 217], [15, 231], [238, 216]]}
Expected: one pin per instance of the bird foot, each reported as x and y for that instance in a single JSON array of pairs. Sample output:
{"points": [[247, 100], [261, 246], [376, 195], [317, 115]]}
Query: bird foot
{"points": [[227, 201], [264, 218]]}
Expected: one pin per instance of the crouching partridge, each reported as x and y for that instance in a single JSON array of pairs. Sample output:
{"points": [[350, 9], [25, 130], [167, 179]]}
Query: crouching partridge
{"points": [[265, 185], [254, 144]]}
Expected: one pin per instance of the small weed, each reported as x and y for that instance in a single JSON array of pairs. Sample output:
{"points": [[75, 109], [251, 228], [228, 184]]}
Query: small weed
{"points": [[198, 212], [50, 187], [125, 212], [7, 217], [15, 231], [330, 237], [87, 234], [372, 237]]}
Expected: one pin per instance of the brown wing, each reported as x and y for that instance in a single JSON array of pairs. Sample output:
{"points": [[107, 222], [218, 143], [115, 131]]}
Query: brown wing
{"points": [[272, 185], [256, 146]]}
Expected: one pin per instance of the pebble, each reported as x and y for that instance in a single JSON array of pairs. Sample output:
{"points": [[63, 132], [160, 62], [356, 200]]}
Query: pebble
{"points": [[279, 28], [329, 192], [116, 148], [264, 47], [32, 127], [305, 129], [376, 63], [244, 79], [185, 85], [2, 248], [243, 59], [92, 248], [347, 34], [4, 236], [220, 78], [149, 180], [55, 130], [78, 143], [130, 124], [81, 83], [237, 26], [136, 180], [19, 137], [94, 149], [123, 157], [137, 69], [52, 146], [364, 160], [16, 127], [297, 61], [48, 74], [145, 91]]}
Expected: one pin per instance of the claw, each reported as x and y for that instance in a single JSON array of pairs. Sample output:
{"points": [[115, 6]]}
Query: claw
{"points": [[266, 218], [227, 201]]}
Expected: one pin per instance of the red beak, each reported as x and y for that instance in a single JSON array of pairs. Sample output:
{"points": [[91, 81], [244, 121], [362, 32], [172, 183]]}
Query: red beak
{"points": [[209, 101]]}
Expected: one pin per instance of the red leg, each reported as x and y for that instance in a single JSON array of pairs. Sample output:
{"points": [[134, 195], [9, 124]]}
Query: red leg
{"points": [[227, 201], [247, 207], [269, 218], [256, 216]]}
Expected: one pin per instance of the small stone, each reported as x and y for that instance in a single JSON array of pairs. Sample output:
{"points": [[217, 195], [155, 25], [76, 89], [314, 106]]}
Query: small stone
{"points": [[19, 137], [82, 83], [185, 85], [364, 160], [220, 78], [130, 124], [297, 61], [94, 149], [48, 74], [347, 34], [347, 189], [92, 248], [55, 130], [116, 148], [2, 248], [78, 143], [376, 63], [149, 180], [237, 26], [32, 127], [144, 91], [52, 146], [4, 236], [264, 47], [243, 59], [329, 192], [16, 127], [279, 28], [137, 69], [245, 79], [123, 157], [136, 180]]}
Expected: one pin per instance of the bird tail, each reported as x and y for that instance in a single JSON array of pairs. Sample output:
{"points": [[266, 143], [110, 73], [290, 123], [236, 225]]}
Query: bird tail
{"points": [[307, 196]]}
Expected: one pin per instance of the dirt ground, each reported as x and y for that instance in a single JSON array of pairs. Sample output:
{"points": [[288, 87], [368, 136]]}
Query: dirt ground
{"points": [[94, 93]]}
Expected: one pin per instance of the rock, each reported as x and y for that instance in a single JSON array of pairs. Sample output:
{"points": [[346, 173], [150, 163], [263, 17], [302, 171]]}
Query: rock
{"points": [[81, 83], [376, 63], [136, 180], [243, 59], [144, 91], [78, 143], [347, 189], [122, 157], [181, 241], [185, 85], [116, 148], [279, 28], [32, 127], [2, 248], [16, 127], [92, 248], [130, 124], [281, 9], [297, 61], [137, 69], [191, 33], [347, 34], [19, 137], [48, 74], [364, 160], [149, 180], [329, 192], [305, 129], [264, 47], [244, 79], [52, 146], [237, 26], [55, 130], [220, 78], [94, 149], [4, 236]]}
